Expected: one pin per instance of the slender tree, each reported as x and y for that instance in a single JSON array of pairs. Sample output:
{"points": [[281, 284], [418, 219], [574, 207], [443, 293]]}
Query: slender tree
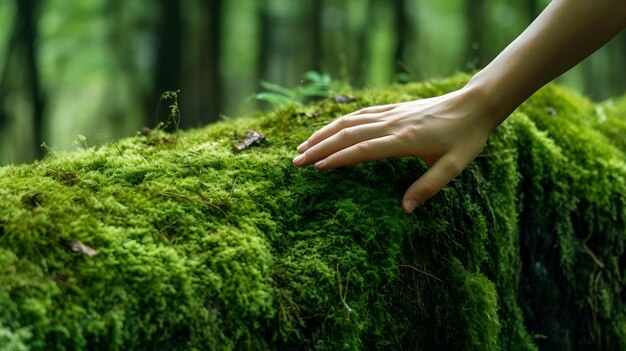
{"points": [[264, 39], [475, 13], [21, 71], [315, 30], [402, 33], [4, 81], [124, 22], [361, 36], [27, 10], [168, 58], [201, 97], [214, 37]]}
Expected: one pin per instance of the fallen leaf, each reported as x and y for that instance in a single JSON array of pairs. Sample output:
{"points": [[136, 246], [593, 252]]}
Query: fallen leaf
{"points": [[77, 246], [251, 138], [342, 99], [32, 200], [308, 115]]}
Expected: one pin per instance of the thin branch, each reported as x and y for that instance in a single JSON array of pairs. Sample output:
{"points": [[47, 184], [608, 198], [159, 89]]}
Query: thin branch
{"points": [[420, 271]]}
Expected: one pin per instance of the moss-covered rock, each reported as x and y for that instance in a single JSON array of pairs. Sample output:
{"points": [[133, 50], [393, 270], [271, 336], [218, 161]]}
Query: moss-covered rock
{"points": [[200, 247]]}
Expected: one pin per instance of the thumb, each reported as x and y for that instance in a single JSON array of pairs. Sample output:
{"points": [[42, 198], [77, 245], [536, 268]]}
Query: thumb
{"points": [[429, 184]]}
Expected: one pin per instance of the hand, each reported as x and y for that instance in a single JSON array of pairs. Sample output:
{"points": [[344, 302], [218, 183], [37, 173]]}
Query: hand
{"points": [[447, 132]]}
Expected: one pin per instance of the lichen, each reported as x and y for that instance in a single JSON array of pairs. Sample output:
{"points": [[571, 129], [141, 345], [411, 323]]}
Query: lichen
{"points": [[201, 247]]}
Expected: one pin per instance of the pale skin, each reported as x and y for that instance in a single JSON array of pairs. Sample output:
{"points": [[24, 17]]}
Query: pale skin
{"points": [[449, 131]]}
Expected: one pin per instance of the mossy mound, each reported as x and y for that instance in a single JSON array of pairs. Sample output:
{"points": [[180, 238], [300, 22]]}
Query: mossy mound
{"points": [[201, 247]]}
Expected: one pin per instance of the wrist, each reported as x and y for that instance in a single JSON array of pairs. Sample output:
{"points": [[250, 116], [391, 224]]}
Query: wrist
{"points": [[492, 100]]}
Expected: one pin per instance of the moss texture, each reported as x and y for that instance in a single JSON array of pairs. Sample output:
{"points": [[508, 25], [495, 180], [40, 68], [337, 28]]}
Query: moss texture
{"points": [[200, 247]]}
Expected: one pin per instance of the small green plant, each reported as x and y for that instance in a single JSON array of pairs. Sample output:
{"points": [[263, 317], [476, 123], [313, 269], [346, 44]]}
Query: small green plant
{"points": [[174, 116], [82, 140], [47, 150], [173, 121], [315, 85]]}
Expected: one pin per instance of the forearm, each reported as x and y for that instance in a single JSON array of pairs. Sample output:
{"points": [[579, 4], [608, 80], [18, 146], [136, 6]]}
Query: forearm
{"points": [[448, 131], [564, 34]]}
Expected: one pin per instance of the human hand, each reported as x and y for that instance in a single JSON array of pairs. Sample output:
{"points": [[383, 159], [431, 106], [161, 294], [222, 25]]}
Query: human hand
{"points": [[447, 132]]}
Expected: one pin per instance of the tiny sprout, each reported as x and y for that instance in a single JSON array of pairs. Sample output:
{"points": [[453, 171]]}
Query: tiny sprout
{"points": [[83, 141], [174, 116], [46, 149]]}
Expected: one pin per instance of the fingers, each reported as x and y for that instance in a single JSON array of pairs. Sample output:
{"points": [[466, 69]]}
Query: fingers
{"points": [[362, 116], [335, 126], [374, 109], [370, 150], [343, 139], [429, 184]]}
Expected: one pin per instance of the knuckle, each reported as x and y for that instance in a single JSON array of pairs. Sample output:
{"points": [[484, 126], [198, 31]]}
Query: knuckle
{"points": [[364, 146], [346, 133], [394, 116], [391, 112], [344, 122], [407, 132], [391, 122]]}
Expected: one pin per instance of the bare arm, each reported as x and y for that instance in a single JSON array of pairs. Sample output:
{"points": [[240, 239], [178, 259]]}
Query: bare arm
{"points": [[563, 35], [449, 131]]}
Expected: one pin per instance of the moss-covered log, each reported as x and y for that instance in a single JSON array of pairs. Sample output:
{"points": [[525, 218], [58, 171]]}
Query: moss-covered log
{"points": [[198, 246]]}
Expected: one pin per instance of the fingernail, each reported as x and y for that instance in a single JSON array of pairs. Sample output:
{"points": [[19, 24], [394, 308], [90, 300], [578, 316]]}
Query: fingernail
{"points": [[319, 164], [298, 160], [303, 146], [410, 205]]}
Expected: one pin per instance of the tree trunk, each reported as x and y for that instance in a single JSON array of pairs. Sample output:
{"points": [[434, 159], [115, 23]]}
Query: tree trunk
{"points": [[4, 80], [168, 60], [360, 55], [214, 37], [27, 37], [475, 13], [402, 30], [315, 20], [264, 39], [27, 11]]}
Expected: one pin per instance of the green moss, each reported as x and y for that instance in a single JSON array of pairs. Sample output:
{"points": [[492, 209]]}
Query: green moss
{"points": [[201, 247]]}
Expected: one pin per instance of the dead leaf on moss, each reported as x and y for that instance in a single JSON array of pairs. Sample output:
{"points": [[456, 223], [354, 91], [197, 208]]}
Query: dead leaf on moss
{"points": [[77, 246], [250, 139], [308, 115], [342, 99], [32, 200]]}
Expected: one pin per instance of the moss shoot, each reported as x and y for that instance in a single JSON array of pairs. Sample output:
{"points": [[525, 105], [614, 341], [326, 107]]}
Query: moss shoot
{"points": [[181, 242]]}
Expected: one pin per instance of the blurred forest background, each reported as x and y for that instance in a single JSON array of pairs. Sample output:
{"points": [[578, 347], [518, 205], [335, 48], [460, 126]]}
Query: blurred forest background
{"points": [[97, 68]]}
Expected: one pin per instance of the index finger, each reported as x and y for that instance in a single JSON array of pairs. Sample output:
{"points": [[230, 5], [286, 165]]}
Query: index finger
{"points": [[373, 109], [334, 127], [359, 117]]}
